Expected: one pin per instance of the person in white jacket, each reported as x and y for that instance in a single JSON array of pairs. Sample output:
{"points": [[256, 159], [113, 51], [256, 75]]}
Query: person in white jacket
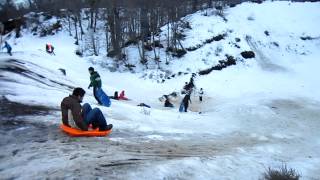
{"points": [[200, 94]]}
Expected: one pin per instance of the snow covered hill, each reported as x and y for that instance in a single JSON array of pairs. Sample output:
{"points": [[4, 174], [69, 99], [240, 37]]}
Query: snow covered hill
{"points": [[262, 112]]}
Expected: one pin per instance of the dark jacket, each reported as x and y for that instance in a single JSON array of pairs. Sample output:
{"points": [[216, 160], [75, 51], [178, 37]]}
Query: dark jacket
{"points": [[95, 80], [167, 103], [6, 45], [186, 99], [71, 102]]}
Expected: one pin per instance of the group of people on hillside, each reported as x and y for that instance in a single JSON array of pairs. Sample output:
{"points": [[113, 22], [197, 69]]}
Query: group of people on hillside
{"points": [[49, 48], [187, 91], [81, 117]]}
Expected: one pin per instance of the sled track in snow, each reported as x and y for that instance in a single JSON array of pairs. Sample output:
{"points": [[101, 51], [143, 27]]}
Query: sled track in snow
{"points": [[22, 68], [27, 141], [262, 59]]}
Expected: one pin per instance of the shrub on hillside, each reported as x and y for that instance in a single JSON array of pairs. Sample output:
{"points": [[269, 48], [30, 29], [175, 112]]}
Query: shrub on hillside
{"points": [[179, 53], [51, 29], [267, 33], [306, 38], [157, 44], [147, 47], [247, 54], [281, 174], [250, 18]]}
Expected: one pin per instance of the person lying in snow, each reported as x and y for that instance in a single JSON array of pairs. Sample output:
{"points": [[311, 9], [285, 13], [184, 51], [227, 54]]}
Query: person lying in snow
{"points": [[80, 117], [122, 96]]}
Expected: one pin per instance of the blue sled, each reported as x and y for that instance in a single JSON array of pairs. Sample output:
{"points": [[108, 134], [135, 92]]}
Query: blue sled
{"points": [[103, 97], [181, 108]]}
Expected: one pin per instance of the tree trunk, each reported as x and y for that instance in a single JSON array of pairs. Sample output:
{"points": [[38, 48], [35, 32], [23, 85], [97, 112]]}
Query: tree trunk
{"points": [[114, 26], [107, 38], [76, 29], [91, 17], [69, 24], [95, 21], [80, 24]]}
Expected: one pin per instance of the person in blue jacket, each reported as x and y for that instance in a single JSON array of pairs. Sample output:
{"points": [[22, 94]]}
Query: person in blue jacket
{"points": [[9, 48]]}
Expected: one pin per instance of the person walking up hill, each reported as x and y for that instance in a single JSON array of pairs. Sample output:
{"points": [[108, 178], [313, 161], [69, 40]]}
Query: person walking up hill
{"points": [[95, 82]]}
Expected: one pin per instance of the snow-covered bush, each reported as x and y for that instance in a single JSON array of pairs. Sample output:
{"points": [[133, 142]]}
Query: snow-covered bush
{"points": [[281, 174], [251, 18]]}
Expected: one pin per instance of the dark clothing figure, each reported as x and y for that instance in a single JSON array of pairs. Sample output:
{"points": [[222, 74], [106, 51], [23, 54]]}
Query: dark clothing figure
{"points": [[144, 105], [95, 82], [167, 102], [75, 118], [188, 87], [116, 96], [49, 48], [200, 94], [8, 47], [185, 87], [185, 101]]}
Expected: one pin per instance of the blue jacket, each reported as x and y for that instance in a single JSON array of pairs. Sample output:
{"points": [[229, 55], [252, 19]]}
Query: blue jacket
{"points": [[7, 46]]}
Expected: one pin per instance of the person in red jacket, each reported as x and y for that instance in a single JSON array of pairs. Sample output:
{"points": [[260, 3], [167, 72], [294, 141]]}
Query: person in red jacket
{"points": [[49, 48], [122, 96]]}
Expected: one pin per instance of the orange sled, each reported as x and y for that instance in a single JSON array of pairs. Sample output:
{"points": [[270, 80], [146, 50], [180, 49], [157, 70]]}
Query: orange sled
{"points": [[78, 133]]}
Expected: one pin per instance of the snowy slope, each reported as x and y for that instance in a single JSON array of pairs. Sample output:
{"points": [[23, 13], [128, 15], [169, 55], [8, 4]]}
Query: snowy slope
{"points": [[261, 112]]}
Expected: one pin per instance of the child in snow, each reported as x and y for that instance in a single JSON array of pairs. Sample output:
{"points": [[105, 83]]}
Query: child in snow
{"points": [[49, 48], [9, 48], [95, 82], [122, 96], [167, 102], [116, 97], [200, 94]]}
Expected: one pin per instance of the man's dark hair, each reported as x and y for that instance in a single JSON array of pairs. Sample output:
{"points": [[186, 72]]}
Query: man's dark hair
{"points": [[91, 69], [78, 92]]}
